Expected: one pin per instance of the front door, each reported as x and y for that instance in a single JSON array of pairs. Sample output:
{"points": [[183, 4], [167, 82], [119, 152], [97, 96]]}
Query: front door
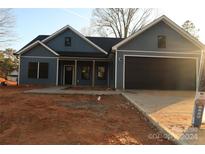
{"points": [[68, 75]]}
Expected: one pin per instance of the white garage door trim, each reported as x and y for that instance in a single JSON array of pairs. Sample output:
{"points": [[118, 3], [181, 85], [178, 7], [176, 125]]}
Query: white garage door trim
{"points": [[174, 57], [193, 52]]}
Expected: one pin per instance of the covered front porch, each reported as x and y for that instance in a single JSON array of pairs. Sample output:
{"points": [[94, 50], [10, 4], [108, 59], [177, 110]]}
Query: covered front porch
{"points": [[90, 72]]}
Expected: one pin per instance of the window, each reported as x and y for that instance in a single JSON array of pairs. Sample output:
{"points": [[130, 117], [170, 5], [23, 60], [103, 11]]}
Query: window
{"points": [[43, 70], [85, 73], [161, 41], [67, 41], [37, 70], [32, 70], [101, 75]]}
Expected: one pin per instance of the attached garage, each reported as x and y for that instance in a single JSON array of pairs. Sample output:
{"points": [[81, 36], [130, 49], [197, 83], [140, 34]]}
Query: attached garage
{"points": [[160, 56], [163, 73]]}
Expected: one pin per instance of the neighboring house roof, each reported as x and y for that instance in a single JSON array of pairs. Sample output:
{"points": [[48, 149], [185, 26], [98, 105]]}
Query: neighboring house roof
{"points": [[106, 43], [15, 72], [169, 22]]}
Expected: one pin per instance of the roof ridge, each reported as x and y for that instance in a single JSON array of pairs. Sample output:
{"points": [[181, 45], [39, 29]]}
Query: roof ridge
{"points": [[104, 37]]}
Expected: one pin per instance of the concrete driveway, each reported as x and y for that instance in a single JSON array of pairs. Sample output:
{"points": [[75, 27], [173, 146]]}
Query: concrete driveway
{"points": [[172, 110]]}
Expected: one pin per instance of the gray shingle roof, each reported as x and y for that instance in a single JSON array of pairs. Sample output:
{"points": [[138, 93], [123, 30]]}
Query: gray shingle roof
{"points": [[106, 43], [38, 38]]}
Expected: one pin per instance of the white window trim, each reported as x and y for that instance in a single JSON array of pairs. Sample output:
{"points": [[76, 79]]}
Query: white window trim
{"points": [[37, 75], [38, 69], [174, 57], [105, 73], [65, 42], [73, 74]]}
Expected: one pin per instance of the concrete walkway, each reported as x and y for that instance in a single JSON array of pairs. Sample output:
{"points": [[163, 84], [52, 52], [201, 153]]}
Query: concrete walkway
{"points": [[170, 111], [63, 90]]}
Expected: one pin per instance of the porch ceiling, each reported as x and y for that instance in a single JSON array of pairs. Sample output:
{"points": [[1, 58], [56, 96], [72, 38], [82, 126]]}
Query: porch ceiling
{"points": [[84, 59]]}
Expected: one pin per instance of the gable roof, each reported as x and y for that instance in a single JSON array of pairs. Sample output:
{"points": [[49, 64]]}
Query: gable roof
{"points": [[38, 38], [31, 45], [169, 22], [106, 43], [77, 33]]}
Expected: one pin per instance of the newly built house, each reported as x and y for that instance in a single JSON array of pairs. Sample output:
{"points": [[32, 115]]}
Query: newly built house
{"points": [[159, 56]]}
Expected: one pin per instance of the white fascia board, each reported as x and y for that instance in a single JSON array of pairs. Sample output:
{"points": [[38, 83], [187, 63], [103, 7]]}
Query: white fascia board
{"points": [[45, 46], [136, 34], [33, 45], [76, 32], [169, 22], [27, 48]]}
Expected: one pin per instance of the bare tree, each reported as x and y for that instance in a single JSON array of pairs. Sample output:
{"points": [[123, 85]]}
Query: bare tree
{"points": [[7, 24], [189, 27], [91, 30], [121, 22]]}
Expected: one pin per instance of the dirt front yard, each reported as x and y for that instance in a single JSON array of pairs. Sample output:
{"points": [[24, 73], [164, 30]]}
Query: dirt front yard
{"points": [[71, 119]]}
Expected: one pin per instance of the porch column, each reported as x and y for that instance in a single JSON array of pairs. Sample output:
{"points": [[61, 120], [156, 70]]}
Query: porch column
{"points": [[75, 80], [93, 75], [108, 75], [57, 68]]}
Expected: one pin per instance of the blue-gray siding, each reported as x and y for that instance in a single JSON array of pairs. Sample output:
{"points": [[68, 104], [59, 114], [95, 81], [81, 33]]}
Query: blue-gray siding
{"points": [[147, 41], [52, 63], [77, 43], [39, 50]]}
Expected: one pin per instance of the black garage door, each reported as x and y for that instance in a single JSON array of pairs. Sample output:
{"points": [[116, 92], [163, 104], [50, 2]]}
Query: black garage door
{"points": [[160, 73]]}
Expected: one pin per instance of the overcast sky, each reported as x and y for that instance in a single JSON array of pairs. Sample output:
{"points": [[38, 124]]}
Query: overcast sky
{"points": [[33, 22]]}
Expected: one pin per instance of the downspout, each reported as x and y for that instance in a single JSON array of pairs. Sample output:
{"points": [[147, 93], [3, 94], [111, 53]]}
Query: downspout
{"points": [[200, 95], [201, 85], [57, 70], [115, 51], [19, 69]]}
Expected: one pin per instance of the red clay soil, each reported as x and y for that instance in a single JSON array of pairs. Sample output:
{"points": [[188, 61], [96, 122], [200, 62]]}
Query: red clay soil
{"points": [[71, 119]]}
